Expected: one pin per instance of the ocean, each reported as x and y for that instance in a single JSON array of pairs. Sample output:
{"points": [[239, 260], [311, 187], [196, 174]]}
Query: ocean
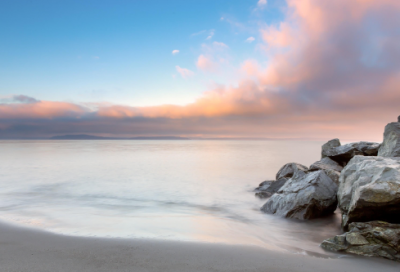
{"points": [[186, 190]]}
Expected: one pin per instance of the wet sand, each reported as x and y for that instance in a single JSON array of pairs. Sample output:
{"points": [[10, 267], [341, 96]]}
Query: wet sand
{"points": [[24, 249]]}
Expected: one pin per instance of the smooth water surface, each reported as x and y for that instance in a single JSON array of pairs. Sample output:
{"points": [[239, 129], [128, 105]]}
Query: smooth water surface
{"points": [[182, 190]]}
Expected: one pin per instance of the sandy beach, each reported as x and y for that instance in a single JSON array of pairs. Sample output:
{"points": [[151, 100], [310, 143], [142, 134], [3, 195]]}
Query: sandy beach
{"points": [[24, 249]]}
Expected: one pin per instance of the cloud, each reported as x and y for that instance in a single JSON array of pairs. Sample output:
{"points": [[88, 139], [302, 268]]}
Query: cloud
{"points": [[206, 63], [250, 39], [175, 52], [185, 73], [220, 45], [262, 3], [326, 73], [209, 37], [96, 57]]}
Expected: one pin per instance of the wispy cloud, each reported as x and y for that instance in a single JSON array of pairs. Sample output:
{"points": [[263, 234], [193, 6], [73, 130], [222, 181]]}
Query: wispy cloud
{"points": [[262, 3], [175, 52], [250, 39], [210, 35], [185, 73], [198, 33], [220, 45]]}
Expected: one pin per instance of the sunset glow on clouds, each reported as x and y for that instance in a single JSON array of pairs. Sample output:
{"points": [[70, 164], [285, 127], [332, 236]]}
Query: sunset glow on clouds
{"points": [[330, 69]]}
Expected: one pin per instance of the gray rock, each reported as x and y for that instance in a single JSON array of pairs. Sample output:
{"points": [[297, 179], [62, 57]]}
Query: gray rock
{"points": [[269, 187], [391, 141], [303, 197], [373, 239], [328, 145], [334, 175], [398, 118], [343, 154], [370, 190], [325, 164], [368, 148], [290, 169]]}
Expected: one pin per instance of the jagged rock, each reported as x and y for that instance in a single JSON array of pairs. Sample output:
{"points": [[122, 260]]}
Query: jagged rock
{"points": [[269, 187], [398, 118], [368, 148], [376, 238], [343, 154], [303, 197], [370, 190], [289, 169], [391, 141], [334, 175], [328, 145], [325, 164]]}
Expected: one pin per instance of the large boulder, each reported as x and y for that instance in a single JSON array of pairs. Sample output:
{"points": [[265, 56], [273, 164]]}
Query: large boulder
{"points": [[343, 154], [391, 141], [328, 145], [330, 167], [303, 197], [269, 187], [325, 164], [290, 169], [368, 148], [370, 190], [373, 239]]}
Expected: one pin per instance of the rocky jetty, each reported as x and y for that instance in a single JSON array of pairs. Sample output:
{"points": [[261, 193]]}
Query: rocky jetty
{"points": [[307, 196], [370, 190], [372, 239], [362, 178]]}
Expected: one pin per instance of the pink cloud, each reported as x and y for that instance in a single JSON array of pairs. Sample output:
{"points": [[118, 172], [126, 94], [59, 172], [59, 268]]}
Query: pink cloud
{"points": [[185, 73], [206, 63], [332, 69]]}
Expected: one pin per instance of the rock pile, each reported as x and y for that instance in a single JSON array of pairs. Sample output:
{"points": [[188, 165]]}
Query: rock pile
{"points": [[362, 178]]}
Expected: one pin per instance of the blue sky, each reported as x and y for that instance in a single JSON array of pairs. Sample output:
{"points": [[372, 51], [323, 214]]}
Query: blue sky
{"points": [[121, 51], [311, 69]]}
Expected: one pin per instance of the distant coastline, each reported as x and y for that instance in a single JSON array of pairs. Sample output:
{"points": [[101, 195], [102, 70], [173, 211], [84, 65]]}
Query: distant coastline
{"points": [[93, 137]]}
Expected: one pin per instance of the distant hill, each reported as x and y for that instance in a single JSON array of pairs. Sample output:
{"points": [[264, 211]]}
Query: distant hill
{"points": [[92, 137]]}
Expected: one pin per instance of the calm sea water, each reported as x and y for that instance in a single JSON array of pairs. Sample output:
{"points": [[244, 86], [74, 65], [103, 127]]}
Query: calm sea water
{"points": [[179, 190]]}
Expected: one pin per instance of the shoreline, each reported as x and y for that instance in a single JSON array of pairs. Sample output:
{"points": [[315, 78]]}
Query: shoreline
{"points": [[25, 249]]}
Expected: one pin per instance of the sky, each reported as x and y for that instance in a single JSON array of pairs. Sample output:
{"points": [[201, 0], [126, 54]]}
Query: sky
{"points": [[305, 69]]}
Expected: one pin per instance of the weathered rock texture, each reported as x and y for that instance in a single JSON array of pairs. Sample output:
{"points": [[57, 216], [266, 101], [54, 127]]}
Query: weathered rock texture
{"points": [[305, 196], [370, 190], [325, 164], [269, 187], [379, 239], [328, 145], [343, 154], [391, 141], [289, 169]]}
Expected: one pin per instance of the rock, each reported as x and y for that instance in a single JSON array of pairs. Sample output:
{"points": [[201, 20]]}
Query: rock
{"points": [[370, 190], [391, 141], [334, 175], [343, 154], [269, 187], [398, 118], [289, 169], [328, 145], [376, 238], [368, 148], [303, 197], [325, 164]]}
